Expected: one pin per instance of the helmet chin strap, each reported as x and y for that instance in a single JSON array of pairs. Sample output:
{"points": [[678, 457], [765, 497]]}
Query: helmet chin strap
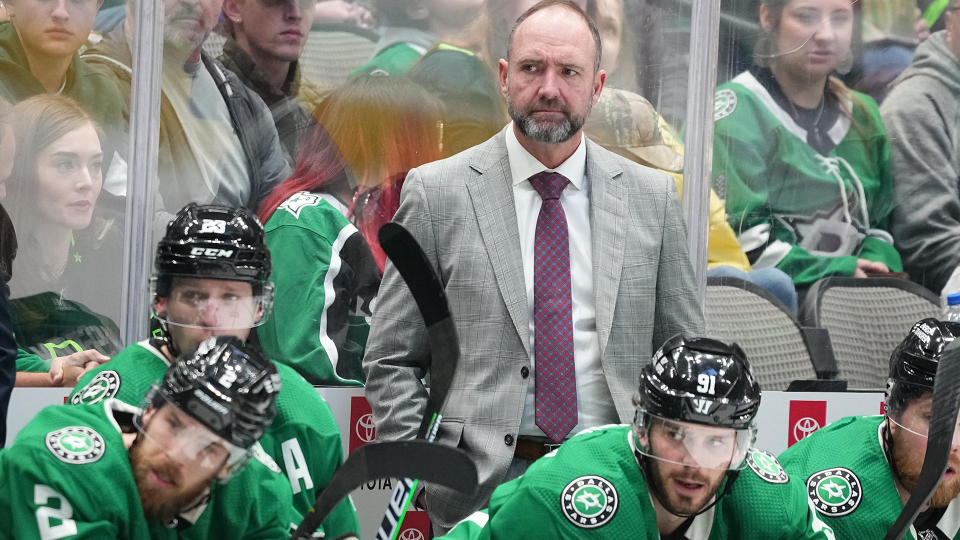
{"points": [[160, 337], [659, 491]]}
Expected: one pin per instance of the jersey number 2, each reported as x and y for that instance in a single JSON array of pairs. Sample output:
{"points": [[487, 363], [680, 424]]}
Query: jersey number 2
{"points": [[46, 514]]}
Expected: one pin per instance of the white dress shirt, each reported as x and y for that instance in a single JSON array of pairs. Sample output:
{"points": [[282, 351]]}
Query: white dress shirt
{"points": [[594, 402]]}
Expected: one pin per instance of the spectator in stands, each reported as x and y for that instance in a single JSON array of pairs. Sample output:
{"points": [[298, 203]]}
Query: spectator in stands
{"points": [[38, 55], [321, 223], [473, 109], [804, 162], [63, 297], [383, 128], [922, 113], [217, 138], [627, 124], [325, 278], [263, 47], [410, 27]]}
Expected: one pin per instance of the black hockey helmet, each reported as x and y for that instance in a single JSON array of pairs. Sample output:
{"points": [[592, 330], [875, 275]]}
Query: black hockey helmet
{"points": [[913, 364], [227, 386], [214, 242], [700, 380]]}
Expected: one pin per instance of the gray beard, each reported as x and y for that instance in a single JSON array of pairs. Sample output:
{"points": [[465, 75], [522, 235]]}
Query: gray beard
{"points": [[546, 132]]}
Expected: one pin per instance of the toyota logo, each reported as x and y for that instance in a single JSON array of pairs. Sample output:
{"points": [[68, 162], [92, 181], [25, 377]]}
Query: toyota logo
{"points": [[410, 534], [366, 430], [804, 427]]}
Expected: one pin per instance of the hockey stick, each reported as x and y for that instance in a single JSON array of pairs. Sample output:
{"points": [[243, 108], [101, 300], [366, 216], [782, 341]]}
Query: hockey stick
{"points": [[427, 290], [946, 404], [443, 465]]}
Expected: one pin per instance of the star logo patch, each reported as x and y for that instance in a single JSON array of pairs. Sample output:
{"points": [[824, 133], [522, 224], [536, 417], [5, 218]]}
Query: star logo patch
{"points": [[766, 466], [75, 444], [105, 385], [589, 502], [835, 492]]}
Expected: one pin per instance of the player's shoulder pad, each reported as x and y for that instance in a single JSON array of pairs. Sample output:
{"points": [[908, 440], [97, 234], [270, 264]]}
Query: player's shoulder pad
{"points": [[766, 466], [104, 385]]}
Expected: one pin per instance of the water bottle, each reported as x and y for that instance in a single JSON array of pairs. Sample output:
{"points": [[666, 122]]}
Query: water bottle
{"points": [[952, 311]]}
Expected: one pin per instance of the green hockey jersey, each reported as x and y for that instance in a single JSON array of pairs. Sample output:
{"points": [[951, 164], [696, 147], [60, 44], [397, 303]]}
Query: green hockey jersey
{"points": [[325, 280], [806, 213], [68, 475], [303, 439], [850, 482], [592, 486]]}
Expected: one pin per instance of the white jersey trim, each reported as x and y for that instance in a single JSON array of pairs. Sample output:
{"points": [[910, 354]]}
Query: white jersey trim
{"points": [[836, 132], [329, 295]]}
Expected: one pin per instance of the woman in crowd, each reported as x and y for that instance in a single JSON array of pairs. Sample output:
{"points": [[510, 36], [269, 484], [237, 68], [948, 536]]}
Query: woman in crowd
{"points": [[804, 162], [62, 294], [322, 222]]}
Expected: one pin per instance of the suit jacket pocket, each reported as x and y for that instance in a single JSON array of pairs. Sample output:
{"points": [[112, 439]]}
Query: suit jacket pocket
{"points": [[450, 432]]}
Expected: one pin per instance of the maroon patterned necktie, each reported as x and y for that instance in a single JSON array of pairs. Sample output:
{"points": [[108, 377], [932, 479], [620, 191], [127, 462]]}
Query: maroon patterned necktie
{"points": [[556, 384]]}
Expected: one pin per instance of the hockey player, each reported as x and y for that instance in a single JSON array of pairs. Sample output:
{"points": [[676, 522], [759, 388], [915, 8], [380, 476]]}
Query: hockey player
{"points": [[211, 271], [676, 473], [114, 471], [860, 470]]}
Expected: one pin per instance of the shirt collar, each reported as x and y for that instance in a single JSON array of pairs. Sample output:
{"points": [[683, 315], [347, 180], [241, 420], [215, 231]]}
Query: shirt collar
{"points": [[523, 165]]}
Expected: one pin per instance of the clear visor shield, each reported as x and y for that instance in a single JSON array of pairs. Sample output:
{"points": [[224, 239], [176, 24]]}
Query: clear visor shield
{"points": [[915, 421], [185, 440], [209, 305], [692, 445]]}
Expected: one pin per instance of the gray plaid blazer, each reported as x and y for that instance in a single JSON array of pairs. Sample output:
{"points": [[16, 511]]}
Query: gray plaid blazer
{"points": [[461, 211]]}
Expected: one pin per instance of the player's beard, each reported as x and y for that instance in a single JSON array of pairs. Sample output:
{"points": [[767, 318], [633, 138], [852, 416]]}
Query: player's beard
{"points": [[676, 503], [158, 505], [543, 130], [908, 467]]}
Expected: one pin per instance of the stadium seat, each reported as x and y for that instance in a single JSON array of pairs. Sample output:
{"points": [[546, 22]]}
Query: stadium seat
{"points": [[779, 349], [866, 319], [333, 51]]}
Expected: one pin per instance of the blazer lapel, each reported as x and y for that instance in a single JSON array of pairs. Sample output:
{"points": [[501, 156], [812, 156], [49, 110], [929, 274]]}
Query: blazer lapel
{"points": [[607, 226], [492, 195]]}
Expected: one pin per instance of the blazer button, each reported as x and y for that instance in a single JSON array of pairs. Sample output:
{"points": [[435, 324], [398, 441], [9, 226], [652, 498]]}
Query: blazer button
{"points": [[508, 440], [524, 372]]}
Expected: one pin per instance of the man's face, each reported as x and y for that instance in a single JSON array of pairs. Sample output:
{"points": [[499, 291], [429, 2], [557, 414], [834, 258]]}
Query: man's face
{"points": [[197, 309], [52, 28], [186, 23], [274, 29], [688, 463], [174, 461], [550, 82], [909, 445]]}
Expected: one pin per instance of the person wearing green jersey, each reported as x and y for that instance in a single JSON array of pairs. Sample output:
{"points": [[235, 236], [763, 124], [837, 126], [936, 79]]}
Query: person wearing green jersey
{"points": [[802, 161], [684, 469], [211, 278], [110, 470], [860, 470]]}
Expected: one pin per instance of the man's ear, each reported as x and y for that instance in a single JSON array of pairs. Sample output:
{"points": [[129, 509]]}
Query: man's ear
{"points": [[231, 9], [765, 23]]}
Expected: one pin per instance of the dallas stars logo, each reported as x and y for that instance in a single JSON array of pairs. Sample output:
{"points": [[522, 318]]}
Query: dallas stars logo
{"points": [[75, 444], [589, 501], [835, 492], [105, 385], [297, 202], [766, 466], [724, 104]]}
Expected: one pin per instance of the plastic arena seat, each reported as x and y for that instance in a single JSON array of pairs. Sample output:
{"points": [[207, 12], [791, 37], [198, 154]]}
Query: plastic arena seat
{"points": [[866, 319], [779, 349]]}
